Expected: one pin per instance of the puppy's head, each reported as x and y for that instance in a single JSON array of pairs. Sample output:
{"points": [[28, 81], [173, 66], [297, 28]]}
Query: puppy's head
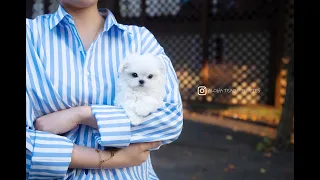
{"points": [[142, 71]]}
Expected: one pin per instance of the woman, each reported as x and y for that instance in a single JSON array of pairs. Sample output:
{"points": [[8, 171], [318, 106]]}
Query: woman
{"points": [[71, 67]]}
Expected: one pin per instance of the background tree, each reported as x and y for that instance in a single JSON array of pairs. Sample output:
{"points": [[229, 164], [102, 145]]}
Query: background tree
{"points": [[285, 126]]}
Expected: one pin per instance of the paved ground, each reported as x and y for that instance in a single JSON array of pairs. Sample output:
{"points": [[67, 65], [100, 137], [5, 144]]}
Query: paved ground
{"points": [[203, 153]]}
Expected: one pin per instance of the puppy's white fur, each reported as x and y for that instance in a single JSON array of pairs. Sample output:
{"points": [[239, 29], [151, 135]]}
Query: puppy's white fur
{"points": [[136, 99]]}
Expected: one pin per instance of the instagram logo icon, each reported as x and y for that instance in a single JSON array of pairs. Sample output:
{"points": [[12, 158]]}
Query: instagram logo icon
{"points": [[202, 90]]}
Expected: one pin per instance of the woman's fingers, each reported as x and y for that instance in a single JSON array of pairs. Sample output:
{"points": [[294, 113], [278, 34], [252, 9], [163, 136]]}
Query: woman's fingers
{"points": [[150, 145]]}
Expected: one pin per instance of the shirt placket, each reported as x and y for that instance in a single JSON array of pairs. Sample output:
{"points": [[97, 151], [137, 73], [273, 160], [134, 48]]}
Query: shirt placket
{"points": [[86, 59]]}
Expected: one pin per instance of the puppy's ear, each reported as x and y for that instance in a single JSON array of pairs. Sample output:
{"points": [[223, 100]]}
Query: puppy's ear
{"points": [[162, 65], [123, 66]]}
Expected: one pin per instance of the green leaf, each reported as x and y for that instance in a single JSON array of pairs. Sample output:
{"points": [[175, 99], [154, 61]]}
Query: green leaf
{"points": [[262, 170], [259, 146], [267, 141]]}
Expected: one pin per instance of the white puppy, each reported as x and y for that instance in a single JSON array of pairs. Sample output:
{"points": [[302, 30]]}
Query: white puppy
{"points": [[140, 88]]}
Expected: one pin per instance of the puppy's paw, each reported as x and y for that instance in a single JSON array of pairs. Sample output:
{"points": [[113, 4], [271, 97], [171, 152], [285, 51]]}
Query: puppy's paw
{"points": [[145, 106], [142, 111], [136, 120], [149, 100], [151, 103]]}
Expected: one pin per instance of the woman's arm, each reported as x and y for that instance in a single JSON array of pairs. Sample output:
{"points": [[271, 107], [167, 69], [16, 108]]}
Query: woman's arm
{"points": [[50, 155], [47, 155], [163, 125], [88, 158]]}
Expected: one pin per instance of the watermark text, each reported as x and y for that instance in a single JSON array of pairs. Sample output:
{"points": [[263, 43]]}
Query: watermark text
{"points": [[203, 90]]}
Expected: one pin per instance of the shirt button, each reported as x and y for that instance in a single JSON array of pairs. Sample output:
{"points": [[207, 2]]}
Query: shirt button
{"points": [[87, 73]]}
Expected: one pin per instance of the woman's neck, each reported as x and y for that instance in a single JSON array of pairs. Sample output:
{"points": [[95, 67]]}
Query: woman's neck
{"points": [[85, 17], [88, 22]]}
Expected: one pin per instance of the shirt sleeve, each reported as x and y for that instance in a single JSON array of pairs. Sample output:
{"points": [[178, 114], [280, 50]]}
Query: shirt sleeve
{"points": [[47, 155], [164, 125]]}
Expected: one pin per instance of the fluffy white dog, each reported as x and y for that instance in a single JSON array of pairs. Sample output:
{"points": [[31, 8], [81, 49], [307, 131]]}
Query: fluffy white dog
{"points": [[140, 88]]}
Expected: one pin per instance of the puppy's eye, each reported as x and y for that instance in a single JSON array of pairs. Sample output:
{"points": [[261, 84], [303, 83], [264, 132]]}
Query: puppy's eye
{"points": [[150, 76], [134, 75]]}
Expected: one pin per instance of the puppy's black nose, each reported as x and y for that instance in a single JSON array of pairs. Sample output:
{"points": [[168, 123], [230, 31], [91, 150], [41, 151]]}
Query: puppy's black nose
{"points": [[141, 81]]}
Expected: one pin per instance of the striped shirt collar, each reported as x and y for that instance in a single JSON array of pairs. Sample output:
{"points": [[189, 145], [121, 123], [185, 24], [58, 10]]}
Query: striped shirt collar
{"points": [[110, 20]]}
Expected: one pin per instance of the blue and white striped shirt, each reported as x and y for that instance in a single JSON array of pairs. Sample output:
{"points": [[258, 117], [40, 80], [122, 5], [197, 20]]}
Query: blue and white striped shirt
{"points": [[60, 74]]}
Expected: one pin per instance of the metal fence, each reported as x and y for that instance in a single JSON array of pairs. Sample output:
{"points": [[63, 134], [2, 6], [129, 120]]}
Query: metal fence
{"points": [[233, 44]]}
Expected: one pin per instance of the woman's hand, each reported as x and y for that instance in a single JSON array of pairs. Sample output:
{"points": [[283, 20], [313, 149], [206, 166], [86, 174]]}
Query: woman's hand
{"points": [[65, 120], [133, 155]]}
